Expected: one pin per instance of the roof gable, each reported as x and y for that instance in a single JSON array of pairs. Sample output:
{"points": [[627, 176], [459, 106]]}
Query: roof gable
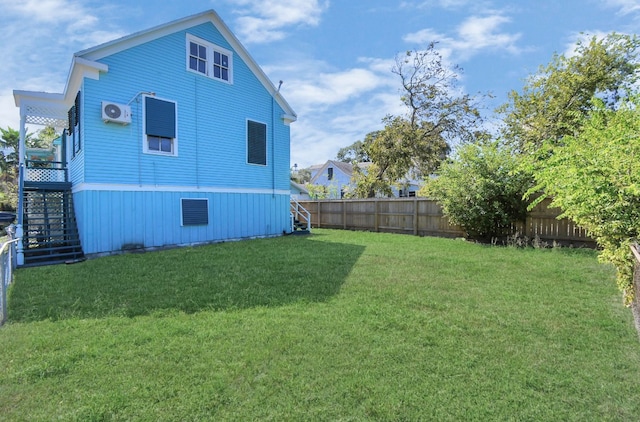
{"points": [[345, 168], [85, 63], [141, 37]]}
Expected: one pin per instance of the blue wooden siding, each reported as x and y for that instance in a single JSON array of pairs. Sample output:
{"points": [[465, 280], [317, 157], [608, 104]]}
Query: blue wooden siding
{"points": [[110, 220], [211, 124], [125, 197]]}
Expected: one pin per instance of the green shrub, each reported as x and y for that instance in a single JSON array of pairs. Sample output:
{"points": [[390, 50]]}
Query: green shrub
{"points": [[481, 189], [595, 179]]}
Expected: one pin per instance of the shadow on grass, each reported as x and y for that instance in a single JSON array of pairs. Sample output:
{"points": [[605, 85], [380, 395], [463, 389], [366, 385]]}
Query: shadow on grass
{"points": [[235, 275]]}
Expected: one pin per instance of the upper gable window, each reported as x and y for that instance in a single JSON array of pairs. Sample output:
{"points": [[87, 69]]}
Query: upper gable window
{"points": [[209, 59]]}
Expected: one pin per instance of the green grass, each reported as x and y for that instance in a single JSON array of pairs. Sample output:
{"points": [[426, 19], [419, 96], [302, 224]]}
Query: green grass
{"points": [[335, 326]]}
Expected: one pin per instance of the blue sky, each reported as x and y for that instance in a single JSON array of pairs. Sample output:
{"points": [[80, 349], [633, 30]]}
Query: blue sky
{"points": [[334, 56]]}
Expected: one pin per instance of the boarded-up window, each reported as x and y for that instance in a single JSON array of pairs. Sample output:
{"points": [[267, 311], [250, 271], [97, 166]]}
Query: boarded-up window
{"points": [[256, 143], [74, 126], [195, 212], [160, 118]]}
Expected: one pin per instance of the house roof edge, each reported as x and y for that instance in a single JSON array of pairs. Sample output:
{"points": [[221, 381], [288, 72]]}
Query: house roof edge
{"points": [[210, 15]]}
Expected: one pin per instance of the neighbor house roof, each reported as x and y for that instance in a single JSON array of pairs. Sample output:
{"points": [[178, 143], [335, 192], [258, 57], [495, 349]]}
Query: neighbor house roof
{"points": [[300, 188], [345, 168]]}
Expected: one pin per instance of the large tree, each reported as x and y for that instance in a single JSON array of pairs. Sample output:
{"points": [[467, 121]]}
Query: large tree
{"points": [[9, 168], [437, 116], [9, 160], [355, 152], [594, 178], [555, 100]]}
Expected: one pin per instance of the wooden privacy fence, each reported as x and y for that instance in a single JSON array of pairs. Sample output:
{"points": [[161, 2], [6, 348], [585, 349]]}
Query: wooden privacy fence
{"points": [[424, 217]]}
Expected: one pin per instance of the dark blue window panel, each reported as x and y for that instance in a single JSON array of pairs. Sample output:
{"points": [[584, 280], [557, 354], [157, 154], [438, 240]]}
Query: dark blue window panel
{"points": [[195, 212], [165, 145], [256, 143], [160, 118], [156, 143]]}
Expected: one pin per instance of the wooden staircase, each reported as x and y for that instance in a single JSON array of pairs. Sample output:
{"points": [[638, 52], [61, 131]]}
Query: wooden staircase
{"points": [[300, 227], [50, 230], [300, 218]]}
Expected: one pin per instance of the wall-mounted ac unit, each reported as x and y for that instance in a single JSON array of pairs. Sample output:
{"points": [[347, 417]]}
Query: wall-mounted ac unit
{"points": [[117, 113]]}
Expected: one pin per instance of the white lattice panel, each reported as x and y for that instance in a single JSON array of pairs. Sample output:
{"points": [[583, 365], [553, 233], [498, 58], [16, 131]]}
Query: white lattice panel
{"points": [[42, 114], [44, 175]]}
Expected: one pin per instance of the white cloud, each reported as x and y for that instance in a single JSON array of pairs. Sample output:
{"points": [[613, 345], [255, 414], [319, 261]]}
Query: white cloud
{"points": [[583, 37], [332, 88], [336, 107], [39, 38], [475, 34], [263, 21], [475, 5], [625, 7]]}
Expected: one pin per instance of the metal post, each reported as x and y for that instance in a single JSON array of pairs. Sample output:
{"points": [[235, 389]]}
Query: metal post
{"points": [[19, 230]]}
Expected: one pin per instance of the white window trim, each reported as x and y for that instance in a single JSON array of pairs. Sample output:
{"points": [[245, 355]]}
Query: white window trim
{"points": [[145, 141], [210, 49], [246, 142]]}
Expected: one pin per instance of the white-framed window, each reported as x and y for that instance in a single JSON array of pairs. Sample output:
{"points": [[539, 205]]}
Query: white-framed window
{"points": [[160, 125], [209, 59]]}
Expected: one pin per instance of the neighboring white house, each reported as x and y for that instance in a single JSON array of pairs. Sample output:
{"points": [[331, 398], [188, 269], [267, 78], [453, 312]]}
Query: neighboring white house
{"points": [[337, 178]]}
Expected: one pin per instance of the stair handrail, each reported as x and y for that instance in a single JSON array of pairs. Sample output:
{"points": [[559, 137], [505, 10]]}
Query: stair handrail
{"points": [[299, 211]]}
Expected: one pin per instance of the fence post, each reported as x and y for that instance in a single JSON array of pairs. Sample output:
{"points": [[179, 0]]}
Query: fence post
{"points": [[6, 275], [318, 203], [344, 214], [376, 223], [415, 216]]}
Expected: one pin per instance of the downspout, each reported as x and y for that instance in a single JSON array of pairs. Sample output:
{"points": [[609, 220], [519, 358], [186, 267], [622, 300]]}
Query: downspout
{"points": [[21, 154], [273, 139], [273, 149]]}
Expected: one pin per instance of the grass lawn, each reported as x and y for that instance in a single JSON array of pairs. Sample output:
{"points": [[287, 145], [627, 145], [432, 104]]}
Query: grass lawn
{"points": [[338, 325]]}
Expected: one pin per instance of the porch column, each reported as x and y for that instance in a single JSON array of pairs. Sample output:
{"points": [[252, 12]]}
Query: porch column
{"points": [[21, 154], [23, 134]]}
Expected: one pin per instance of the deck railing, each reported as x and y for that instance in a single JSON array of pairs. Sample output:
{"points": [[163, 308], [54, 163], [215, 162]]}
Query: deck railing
{"points": [[45, 171]]}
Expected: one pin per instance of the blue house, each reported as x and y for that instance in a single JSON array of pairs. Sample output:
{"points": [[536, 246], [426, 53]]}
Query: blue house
{"points": [[337, 178], [171, 136]]}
